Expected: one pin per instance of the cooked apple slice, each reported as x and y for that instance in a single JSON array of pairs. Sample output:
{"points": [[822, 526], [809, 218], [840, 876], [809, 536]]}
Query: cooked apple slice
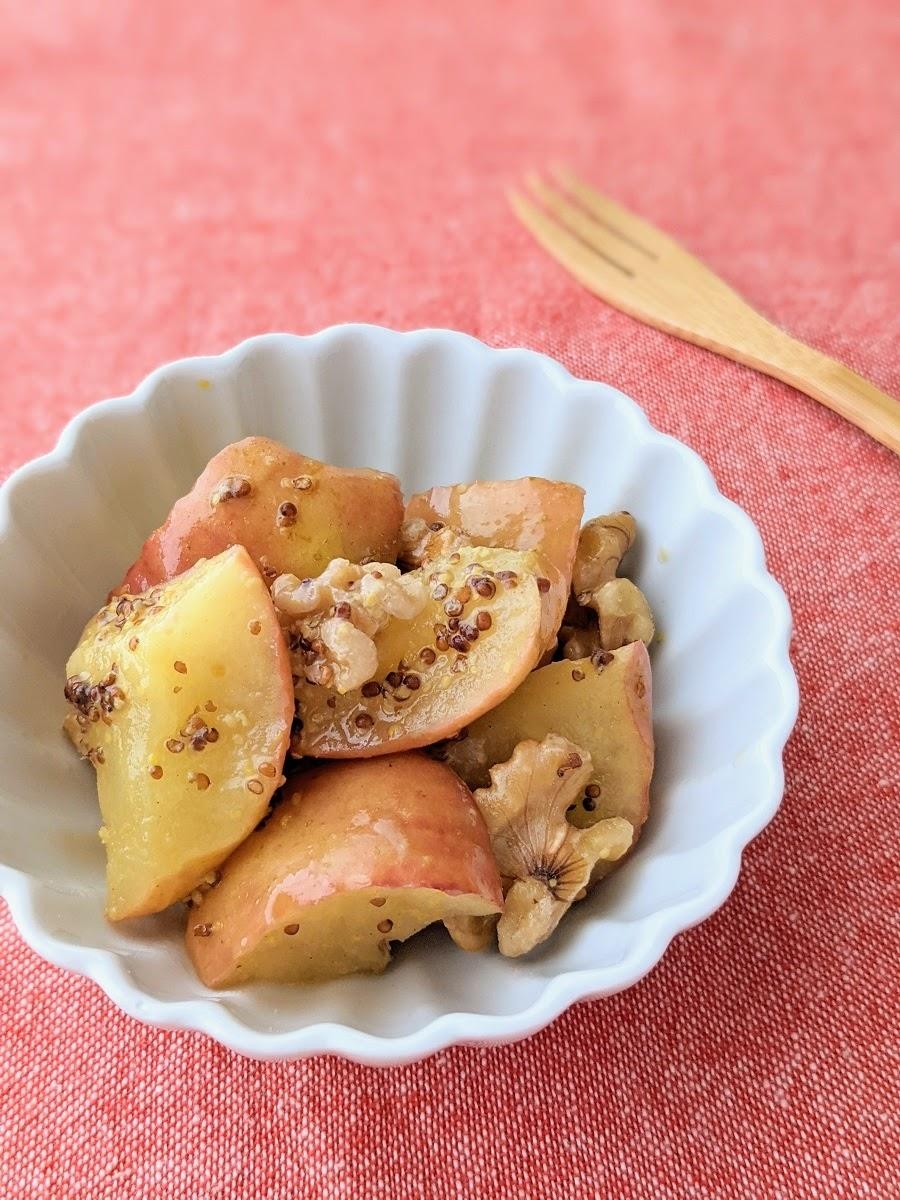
{"points": [[473, 640], [292, 514], [519, 514], [602, 704], [182, 700], [356, 855]]}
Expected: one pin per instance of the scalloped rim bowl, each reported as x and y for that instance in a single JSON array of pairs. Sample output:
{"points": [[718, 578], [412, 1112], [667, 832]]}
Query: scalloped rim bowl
{"points": [[435, 407]]}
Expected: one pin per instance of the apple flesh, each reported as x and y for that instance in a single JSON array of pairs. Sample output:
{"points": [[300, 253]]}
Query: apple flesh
{"points": [[433, 678], [356, 855], [182, 700], [519, 514], [293, 514], [602, 704]]}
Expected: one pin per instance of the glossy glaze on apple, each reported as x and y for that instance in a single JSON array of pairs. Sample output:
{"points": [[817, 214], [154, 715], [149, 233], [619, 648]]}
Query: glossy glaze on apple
{"points": [[520, 514], [476, 639], [182, 700], [293, 514], [356, 855], [517, 514], [602, 704]]}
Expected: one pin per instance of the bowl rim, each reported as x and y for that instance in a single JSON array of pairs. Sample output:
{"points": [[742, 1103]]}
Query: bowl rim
{"points": [[656, 931]]}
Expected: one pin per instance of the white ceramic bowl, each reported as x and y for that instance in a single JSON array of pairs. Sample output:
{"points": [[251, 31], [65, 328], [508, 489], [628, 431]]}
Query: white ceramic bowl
{"points": [[434, 407]]}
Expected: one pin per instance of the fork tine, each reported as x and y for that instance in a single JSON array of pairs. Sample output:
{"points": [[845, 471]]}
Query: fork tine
{"points": [[595, 233], [625, 224], [605, 279]]}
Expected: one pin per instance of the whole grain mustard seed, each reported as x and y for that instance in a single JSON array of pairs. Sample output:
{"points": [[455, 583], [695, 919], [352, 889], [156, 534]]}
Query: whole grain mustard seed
{"points": [[601, 659], [292, 929], [379, 901], [174, 745], [543, 584], [385, 926], [202, 781], [202, 930], [156, 772], [363, 721], [427, 655], [577, 675], [255, 786], [180, 667], [255, 627], [483, 620], [287, 514], [232, 487], [267, 769]]}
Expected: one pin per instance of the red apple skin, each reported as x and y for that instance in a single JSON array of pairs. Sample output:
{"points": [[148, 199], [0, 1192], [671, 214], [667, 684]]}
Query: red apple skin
{"points": [[394, 824], [519, 514], [354, 514]]}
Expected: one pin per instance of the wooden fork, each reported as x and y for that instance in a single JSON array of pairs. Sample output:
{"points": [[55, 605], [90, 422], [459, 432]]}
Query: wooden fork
{"points": [[636, 268]]}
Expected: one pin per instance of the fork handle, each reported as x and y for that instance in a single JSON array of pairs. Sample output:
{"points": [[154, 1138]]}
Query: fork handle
{"points": [[832, 384]]}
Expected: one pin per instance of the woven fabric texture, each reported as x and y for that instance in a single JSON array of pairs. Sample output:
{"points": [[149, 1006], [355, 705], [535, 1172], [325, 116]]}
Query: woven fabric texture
{"points": [[175, 177]]}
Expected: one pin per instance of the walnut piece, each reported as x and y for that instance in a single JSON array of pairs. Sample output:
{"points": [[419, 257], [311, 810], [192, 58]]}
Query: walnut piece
{"points": [[545, 863], [622, 612], [331, 621]]}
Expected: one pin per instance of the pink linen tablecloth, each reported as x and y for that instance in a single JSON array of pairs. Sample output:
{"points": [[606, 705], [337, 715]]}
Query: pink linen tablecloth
{"points": [[175, 177]]}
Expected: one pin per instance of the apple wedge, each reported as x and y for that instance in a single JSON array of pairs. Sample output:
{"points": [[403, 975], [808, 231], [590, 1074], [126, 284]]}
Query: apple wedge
{"points": [[518, 514], [356, 855], [182, 700], [602, 704], [293, 514], [474, 641]]}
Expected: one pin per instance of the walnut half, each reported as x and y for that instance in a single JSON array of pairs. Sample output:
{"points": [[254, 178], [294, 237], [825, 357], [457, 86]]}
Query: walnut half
{"points": [[622, 612], [331, 621], [545, 862]]}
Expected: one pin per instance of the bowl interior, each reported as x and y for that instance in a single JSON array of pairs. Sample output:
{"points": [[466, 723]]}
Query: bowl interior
{"points": [[434, 408]]}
